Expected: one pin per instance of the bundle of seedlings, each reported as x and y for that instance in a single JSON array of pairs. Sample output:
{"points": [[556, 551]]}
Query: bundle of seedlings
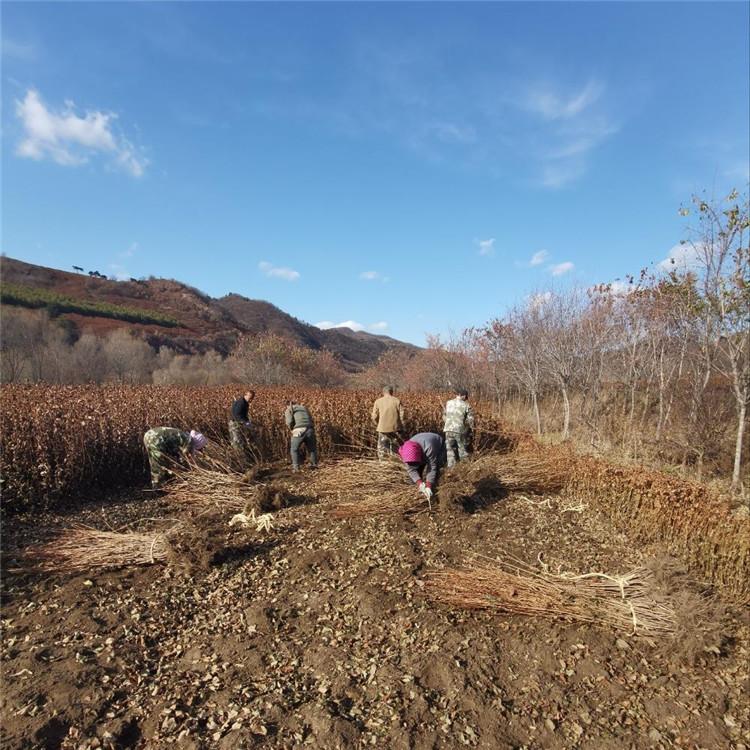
{"points": [[82, 548], [183, 545], [370, 503], [206, 490], [367, 487], [349, 476], [621, 603]]}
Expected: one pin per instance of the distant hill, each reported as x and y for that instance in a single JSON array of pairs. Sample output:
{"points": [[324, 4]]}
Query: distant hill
{"points": [[177, 315]]}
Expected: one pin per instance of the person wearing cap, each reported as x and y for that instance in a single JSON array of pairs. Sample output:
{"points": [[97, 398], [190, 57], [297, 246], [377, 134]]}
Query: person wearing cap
{"points": [[299, 421], [388, 418], [240, 425], [166, 446], [422, 455], [458, 424]]}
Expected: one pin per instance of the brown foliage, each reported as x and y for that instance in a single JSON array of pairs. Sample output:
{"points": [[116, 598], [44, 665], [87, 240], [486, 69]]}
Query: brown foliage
{"points": [[61, 440]]}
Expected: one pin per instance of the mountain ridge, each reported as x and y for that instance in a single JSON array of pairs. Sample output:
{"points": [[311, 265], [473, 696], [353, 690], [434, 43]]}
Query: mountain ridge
{"points": [[204, 323]]}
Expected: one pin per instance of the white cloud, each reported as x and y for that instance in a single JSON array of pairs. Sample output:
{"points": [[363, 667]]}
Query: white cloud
{"points": [[380, 326], [555, 106], [278, 272], [558, 174], [70, 139], [374, 276], [568, 126], [327, 324], [682, 258], [539, 300], [538, 258], [486, 247], [561, 268]]}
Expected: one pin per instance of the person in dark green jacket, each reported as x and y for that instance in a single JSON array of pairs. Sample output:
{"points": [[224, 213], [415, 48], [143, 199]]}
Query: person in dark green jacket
{"points": [[299, 421]]}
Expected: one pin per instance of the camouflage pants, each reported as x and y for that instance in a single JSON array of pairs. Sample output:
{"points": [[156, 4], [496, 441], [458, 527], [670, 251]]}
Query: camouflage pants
{"points": [[159, 460], [455, 442], [239, 436], [387, 444]]}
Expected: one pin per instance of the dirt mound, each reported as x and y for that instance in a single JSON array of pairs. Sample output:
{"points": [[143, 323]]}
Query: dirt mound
{"points": [[191, 548]]}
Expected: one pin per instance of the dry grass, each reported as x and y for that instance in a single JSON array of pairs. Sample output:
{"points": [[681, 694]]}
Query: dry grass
{"points": [[81, 548], [621, 603]]}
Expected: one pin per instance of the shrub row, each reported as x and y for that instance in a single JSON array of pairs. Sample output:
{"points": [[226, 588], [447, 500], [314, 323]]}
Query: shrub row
{"points": [[56, 304]]}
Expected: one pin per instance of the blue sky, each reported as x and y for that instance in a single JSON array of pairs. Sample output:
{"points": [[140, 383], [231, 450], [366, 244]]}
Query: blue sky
{"points": [[415, 168]]}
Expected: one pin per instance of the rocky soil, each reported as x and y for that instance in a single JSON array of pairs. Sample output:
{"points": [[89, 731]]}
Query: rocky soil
{"points": [[318, 633]]}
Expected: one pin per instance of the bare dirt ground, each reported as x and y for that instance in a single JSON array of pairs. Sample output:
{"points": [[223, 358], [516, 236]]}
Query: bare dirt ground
{"points": [[318, 633]]}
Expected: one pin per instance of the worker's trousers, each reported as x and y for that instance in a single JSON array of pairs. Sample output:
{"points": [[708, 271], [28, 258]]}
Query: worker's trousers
{"points": [[307, 438], [387, 444], [455, 443]]}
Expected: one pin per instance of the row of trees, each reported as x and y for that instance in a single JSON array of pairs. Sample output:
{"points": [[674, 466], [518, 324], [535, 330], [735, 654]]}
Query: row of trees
{"points": [[37, 348], [660, 365]]}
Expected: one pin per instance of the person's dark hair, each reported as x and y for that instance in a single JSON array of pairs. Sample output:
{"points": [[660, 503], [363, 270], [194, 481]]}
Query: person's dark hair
{"points": [[462, 392], [388, 389]]}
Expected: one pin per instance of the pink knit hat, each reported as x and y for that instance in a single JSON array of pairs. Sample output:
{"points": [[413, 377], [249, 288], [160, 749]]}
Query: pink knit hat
{"points": [[411, 452]]}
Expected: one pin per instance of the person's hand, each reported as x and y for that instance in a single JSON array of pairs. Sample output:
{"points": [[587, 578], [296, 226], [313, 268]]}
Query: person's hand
{"points": [[426, 491]]}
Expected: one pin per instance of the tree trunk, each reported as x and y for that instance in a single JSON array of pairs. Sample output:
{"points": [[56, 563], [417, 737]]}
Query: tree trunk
{"points": [[566, 412], [535, 404], [738, 446]]}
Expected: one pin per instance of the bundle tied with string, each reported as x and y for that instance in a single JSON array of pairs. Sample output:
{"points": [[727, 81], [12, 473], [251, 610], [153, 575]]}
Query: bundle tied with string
{"points": [[622, 603], [82, 548]]}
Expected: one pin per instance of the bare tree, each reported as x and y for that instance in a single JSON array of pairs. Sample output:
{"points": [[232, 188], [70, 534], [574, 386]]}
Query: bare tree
{"points": [[719, 242]]}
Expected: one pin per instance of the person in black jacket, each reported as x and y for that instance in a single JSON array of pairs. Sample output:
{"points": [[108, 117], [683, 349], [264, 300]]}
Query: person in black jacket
{"points": [[299, 421], [240, 425]]}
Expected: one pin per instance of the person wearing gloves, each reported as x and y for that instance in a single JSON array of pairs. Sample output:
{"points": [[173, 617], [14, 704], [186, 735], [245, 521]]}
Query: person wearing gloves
{"points": [[166, 446], [299, 421], [388, 418], [240, 424], [458, 424], [422, 455]]}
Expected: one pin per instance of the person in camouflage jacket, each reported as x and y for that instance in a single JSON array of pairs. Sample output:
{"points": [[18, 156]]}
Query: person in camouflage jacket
{"points": [[167, 446], [458, 424]]}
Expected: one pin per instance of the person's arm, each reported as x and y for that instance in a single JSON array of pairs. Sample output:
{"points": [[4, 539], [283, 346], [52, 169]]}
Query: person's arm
{"points": [[413, 473], [289, 417], [432, 471], [237, 410], [375, 413]]}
